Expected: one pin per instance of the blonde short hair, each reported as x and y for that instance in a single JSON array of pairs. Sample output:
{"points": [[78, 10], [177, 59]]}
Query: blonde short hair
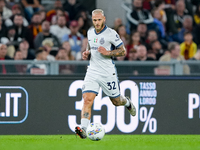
{"points": [[97, 11]]}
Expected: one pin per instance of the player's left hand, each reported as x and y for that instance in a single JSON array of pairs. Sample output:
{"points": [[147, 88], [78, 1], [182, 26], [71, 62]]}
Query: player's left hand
{"points": [[103, 51]]}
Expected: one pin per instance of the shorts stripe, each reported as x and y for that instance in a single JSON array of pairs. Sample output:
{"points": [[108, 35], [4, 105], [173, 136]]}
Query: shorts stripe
{"points": [[90, 91]]}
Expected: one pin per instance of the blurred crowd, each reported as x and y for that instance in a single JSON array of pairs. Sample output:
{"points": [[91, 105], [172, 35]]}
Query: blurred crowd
{"points": [[156, 30]]}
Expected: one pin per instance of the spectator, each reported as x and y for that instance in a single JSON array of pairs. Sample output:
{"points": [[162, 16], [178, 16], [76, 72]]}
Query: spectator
{"points": [[4, 11], [139, 14], [57, 4], [197, 15], [151, 37], [121, 30], [142, 56], [188, 47], [117, 23], [42, 15], [174, 56], [62, 56], [160, 6], [175, 18], [68, 50], [20, 68], [142, 53], [55, 12], [35, 27], [30, 7], [3, 52], [142, 29], [75, 39], [83, 31], [73, 7], [187, 27], [11, 36], [45, 34], [3, 30], [180, 13], [22, 31], [11, 42], [5, 69], [87, 18], [18, 55], [48, 44], [16, 9], [59, 11], [9, 39], [158, 21], [26, 52], [156, 50], [132, 55], [84, 24], [36, 68], [134, 42], [60, 28]]}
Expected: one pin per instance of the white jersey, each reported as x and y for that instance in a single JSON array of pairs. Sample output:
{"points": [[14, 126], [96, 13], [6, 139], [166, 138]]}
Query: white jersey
{"points": [[109, 39]]}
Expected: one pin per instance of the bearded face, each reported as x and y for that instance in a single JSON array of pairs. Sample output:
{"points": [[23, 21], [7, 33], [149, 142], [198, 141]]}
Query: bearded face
{"points": [[98, 20]]}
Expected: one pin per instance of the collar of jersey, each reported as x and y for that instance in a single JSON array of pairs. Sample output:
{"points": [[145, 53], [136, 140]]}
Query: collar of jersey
{"points": [[101, 30]]}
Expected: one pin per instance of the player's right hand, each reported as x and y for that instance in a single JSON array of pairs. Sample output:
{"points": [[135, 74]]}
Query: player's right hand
{"points": [[85, 55]]}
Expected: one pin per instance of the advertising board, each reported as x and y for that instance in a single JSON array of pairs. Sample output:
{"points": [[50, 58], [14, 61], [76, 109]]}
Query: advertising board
{"points": [[52, 105]]}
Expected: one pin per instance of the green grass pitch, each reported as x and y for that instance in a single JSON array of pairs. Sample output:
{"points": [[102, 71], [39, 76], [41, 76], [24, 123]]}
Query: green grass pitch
{"points": [[109, 142]]}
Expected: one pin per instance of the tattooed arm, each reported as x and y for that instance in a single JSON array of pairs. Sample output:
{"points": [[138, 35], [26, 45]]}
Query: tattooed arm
{"points": [[120, 51]]}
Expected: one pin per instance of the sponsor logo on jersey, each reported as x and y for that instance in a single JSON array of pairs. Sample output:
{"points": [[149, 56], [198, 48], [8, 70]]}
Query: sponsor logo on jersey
{"points": [[94, 48]]}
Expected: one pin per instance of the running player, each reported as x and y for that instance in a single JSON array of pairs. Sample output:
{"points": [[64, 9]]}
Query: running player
{"points": [[103, 43]]}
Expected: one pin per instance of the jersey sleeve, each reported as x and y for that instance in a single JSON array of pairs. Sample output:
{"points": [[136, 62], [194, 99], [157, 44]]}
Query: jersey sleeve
{"points": [[115, 39]]}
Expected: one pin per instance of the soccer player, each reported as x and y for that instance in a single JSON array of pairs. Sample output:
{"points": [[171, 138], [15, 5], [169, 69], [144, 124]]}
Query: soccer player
{"points": [[103, 43]]}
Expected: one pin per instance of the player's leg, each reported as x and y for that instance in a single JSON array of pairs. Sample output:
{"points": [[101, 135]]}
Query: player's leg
{"points": [[110, 87], [124, 101], [85, 114], [86, 110], [90, 90]]}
